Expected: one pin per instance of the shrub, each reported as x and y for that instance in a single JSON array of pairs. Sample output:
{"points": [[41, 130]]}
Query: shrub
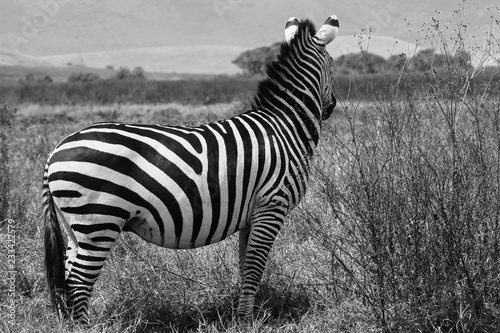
{"points": [[415, 203], [411, 188], [397, 61], [124, 73], [82, 77], [368, 63]]}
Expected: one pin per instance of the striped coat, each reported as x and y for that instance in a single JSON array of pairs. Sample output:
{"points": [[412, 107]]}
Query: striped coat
{"points": [[185, 187]]}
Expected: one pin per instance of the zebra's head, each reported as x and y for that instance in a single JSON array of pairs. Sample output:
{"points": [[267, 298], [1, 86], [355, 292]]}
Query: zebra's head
{"points": [[302, 35]]}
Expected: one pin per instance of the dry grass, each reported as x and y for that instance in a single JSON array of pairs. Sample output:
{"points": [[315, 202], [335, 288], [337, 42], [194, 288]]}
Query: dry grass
{"points": [[144, 288], [315, 280]]}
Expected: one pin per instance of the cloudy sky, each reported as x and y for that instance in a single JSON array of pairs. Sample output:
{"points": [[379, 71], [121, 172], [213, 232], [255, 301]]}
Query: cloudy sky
{"points": [[47, 27]]}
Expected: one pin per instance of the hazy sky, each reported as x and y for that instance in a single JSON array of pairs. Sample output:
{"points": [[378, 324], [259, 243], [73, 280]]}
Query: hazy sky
{"points": [[45, 27]]}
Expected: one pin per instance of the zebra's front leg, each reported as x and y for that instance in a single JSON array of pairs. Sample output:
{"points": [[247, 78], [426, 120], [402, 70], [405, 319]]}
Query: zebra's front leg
{"points": [[255, 245], [243, 235]]}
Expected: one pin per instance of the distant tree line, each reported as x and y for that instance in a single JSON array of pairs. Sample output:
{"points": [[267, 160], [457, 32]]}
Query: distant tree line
{"points": [[133, 86], [124, 73], [30, 78], [255, 62]]}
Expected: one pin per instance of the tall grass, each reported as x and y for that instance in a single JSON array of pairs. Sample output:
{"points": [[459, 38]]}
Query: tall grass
{"points": [[142, 288], [6, 118], [136, 91], [199, 91], [412, 186]]}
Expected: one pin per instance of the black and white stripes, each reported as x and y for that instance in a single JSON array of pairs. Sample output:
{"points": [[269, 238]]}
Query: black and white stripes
{"points": [[186, 187]]}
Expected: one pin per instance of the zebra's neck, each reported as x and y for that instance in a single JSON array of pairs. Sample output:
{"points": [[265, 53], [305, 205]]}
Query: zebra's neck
{"points": [[292, 91], [298, 120], [294, 104]]}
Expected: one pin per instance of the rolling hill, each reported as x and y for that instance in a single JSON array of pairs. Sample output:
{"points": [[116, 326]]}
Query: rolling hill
{"points": [[173, 62], [212, 59], [22, 60], [203, 59], [383, 46]]}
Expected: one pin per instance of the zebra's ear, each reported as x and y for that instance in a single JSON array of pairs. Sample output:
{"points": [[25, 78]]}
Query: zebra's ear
{"points": [[328, 30], [291, 27]]}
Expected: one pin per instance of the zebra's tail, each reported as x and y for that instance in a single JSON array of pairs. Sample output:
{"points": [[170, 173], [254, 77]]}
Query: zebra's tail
{"points": [[54, 251]]}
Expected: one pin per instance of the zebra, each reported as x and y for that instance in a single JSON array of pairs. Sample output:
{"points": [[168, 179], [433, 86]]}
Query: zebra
{"points": [[185, 187]]}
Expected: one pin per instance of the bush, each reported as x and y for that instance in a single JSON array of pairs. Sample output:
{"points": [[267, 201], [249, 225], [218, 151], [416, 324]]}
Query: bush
{"points": [[124, 73], [416, 207], [368, 63], [397, 62], [411, 188], [82, 77], [31, 79]]}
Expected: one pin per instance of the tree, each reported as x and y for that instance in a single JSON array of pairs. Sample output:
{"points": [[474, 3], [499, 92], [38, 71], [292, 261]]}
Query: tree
{"points": [[397, 61], [366, 62], [255, 62], [138, 73], [428, 59], [463, 59], [83, 77], [123, 73], [30, 79], [45, 79]]}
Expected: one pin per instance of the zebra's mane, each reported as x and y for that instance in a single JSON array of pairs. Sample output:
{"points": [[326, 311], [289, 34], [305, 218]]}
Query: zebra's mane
{"points": [[271, 84]]}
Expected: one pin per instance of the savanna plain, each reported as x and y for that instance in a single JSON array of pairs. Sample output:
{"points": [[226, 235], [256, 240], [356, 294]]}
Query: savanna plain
{"points": [[399, 230]]}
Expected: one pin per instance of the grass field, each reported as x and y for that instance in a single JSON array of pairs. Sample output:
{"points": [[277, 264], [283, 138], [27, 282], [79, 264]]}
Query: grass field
{"points": [[211, 90], [399, 230], [147, 288]]}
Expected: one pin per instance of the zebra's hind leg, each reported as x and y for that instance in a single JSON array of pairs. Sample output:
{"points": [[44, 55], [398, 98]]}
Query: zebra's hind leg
{"points": [[94, 243], [259, 240]]}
